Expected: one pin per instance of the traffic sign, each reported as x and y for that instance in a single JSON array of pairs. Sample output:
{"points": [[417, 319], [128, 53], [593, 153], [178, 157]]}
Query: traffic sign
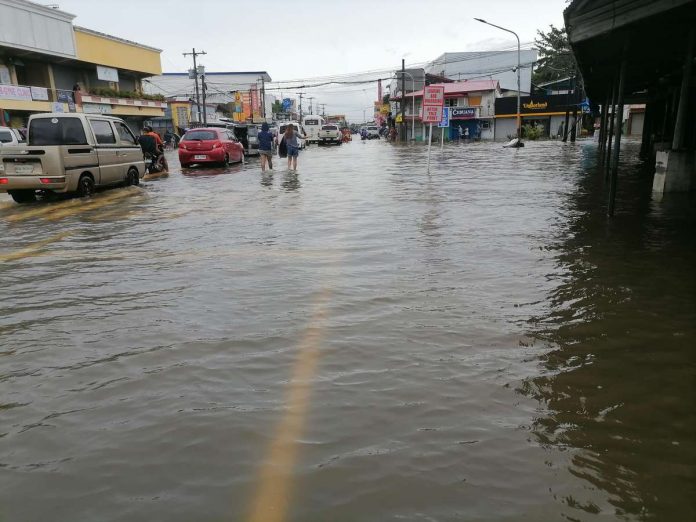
{"points": [[432, 113], [434, 95], [444, 122]]}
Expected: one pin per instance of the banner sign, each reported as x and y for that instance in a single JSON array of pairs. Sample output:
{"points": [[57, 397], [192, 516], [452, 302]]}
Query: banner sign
{"points": [[432, 113], [444, 122], [39, 93], [107, 74], [96, 108], [534, 104], [463, 113], [13, 92]]}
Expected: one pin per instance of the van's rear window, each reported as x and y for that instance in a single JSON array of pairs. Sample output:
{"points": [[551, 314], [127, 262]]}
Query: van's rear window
{"points": [[57, 131], [200, 135], [311, 122]]}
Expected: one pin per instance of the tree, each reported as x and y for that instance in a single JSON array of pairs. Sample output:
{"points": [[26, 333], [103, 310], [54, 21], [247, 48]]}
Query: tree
{"points": [[277, 107], [556, 60]]}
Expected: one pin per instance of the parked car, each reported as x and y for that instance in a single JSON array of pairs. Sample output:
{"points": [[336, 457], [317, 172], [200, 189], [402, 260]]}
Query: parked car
{"points": [[209, 145], [70, 152], [303, 135], [330, 134], [9, 136], [372, 132]]}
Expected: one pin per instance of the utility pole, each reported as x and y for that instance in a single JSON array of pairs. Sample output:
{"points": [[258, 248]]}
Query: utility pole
{"points": [[205, 113], [402, 105], [300, 94], [323, 108], [195, 76], [263, 99], [311, 99]]}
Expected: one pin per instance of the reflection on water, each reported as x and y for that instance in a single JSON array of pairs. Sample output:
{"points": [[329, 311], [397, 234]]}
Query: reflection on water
{"points": [[619, 385], [358, 340]]}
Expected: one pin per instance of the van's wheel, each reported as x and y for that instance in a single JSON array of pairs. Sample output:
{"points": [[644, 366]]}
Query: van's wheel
{"points": [[85, 187], [133, 177], [22, 196]]}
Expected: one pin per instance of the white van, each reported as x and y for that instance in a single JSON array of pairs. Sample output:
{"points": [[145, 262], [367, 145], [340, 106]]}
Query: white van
{"points": [[312, 125], [299, 128]]}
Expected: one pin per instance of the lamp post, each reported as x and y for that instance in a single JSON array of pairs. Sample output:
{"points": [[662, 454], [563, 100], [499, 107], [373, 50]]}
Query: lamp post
{"points": [[413, 102], [519, 117]]}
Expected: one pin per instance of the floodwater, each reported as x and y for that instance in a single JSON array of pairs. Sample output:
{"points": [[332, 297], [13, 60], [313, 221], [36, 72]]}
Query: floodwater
{"points": [[359, 341]]}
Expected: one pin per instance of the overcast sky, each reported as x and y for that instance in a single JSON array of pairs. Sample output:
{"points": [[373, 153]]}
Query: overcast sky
{"points": [[302, 39]]}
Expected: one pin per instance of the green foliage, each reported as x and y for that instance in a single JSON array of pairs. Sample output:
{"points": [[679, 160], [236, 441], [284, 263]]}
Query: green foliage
{"points": [[556, 60], [113, 93], [277, 107], [532, 132]]}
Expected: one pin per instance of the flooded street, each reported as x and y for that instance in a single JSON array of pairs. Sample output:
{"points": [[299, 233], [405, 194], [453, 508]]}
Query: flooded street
{"points": [[359, 341]]}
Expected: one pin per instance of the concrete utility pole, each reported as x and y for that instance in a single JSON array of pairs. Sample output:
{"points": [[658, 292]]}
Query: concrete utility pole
{"points": [[413, 104], [263, 98], [323, 108], [519, 115], [300, 94], [194, 53], [311, 99], [402, 128]]}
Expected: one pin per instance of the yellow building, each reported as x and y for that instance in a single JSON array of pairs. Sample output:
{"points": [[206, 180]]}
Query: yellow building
{"points": [[44, 58]]}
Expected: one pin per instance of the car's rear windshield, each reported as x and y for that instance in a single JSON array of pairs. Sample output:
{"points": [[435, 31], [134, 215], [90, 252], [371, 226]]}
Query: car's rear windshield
{"points": [[56, 131], [372, 128], [200, 135], [283, 127], [253, 131], [329, 127]]}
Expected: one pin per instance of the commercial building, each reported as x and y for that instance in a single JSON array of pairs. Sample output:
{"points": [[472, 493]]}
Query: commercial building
{"points": [[493, 65], [472, 110], [44, 58], [546, 112]]}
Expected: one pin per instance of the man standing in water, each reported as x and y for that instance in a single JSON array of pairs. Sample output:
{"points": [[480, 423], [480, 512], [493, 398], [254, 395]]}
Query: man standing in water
{"points": [[292, 142], [265, 147]]}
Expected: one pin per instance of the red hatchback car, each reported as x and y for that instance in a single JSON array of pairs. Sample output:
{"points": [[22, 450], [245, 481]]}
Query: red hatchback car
{"points": [[209, 145]]}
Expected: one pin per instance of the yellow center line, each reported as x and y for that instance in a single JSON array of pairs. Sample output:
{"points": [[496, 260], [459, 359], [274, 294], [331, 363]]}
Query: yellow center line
{"points": [[272, 497], [92, 205], [34, 249]]}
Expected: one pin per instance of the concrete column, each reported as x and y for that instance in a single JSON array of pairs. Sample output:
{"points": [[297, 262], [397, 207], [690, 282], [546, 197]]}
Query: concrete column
{"points": [[680, 122], [617, 137], [602, 130], [610, 134]]}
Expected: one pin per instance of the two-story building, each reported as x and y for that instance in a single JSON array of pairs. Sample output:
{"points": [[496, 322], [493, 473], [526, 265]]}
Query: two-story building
{"points": [[472, 110], [47, 64]]}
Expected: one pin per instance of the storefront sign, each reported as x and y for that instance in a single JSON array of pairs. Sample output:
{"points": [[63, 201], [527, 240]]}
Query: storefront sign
{"points": [[434, 95], [39, 93], [96, 108], [13, 92], [107, 74], [463, 113], [530, 105], [57, 107]]}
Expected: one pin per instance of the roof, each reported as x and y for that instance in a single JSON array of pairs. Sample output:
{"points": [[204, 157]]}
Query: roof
{"points": [[462, 87]]}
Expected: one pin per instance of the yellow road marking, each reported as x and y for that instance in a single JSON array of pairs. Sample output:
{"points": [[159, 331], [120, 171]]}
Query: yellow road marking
{"points": [[272, 497], [34, 249], [28, 214], [91, 205]]}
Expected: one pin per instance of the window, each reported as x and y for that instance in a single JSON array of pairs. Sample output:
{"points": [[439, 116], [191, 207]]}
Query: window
{"points": [[103, 132], [5, 136], [311, 122], [253, 132], [197, 135], [329, 127], [451, 102], [125, 133], [57, 131]]}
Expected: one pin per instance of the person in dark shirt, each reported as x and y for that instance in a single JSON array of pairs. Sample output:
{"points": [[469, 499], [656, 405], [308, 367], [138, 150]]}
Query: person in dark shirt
{"points": [[265, 147]]}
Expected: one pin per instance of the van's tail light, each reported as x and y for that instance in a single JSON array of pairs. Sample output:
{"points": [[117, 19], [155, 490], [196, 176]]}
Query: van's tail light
{"points": [[4, 181], [52, 180]]}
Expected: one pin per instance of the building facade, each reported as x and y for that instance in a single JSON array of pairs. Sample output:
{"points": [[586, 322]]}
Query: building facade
{"points": [[545, 112], [49, 65]]}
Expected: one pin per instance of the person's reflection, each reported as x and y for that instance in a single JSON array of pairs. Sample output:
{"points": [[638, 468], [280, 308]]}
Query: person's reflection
{"points": [[291, 181], [267, 179]]}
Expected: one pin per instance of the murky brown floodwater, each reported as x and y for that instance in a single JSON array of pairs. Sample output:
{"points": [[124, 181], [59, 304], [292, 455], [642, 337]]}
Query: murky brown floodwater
{"points": [[357, 342]]}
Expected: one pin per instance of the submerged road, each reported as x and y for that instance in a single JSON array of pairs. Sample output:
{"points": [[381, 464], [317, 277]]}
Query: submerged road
{"points": [[357, 341]]}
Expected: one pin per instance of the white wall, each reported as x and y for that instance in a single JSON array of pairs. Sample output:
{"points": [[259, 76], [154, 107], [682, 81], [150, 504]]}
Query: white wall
{"points": [[29, 26]]}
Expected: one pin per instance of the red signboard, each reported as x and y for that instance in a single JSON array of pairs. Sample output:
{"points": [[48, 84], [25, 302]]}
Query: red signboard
{"points": [[434, 95], [432, 113]]}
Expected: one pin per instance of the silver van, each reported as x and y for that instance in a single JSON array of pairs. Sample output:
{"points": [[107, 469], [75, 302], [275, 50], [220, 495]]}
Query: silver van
{"points": [[70, 152]]}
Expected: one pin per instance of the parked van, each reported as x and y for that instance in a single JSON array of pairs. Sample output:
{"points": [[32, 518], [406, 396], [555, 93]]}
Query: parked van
{"points": [[299, 128], [312, 125], [70, 152]]}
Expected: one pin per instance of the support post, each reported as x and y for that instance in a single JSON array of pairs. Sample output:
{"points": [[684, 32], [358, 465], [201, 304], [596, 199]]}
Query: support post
{"points": [[573, 131], [610, 134], [402, 129], [647, 130], [565, 126], [617, 137], [680, 122], [603, 130], [430, 141]]}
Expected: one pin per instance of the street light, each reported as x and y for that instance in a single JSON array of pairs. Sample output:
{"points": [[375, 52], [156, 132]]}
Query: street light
{"points": [[413, 102], [519, 117]]}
